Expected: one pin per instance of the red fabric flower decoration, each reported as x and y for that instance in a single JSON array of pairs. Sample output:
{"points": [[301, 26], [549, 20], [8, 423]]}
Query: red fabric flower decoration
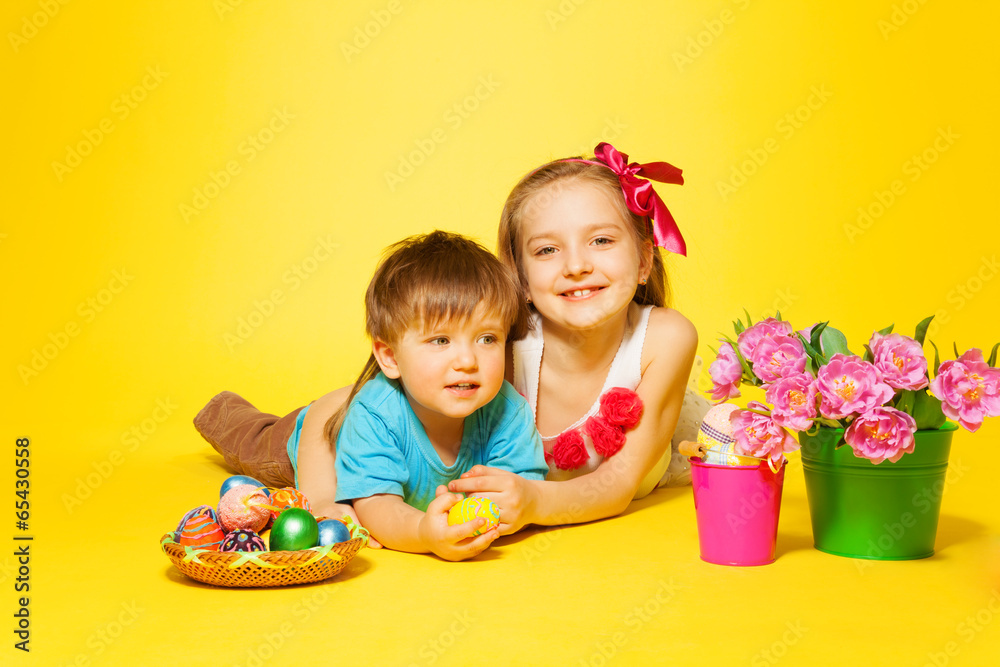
{"points": [[621, 407], [607, 438], [569, 451]]}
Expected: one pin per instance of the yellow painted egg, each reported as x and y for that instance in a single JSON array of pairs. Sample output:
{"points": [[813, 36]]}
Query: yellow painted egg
{"points": [[470, 508]]}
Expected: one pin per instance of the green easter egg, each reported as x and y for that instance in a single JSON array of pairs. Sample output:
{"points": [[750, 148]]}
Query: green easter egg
{"points": [[294, 529]]}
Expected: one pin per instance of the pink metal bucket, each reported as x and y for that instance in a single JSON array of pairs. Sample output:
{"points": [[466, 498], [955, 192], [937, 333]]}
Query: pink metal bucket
{"points": [[737, 509]]}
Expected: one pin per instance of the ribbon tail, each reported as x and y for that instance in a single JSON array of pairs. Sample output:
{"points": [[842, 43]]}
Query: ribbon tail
{"points": [[665, 229], [663, 172]]}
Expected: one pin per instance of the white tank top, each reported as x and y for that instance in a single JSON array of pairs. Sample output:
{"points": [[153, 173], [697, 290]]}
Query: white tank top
{"points": [[625, 371]]}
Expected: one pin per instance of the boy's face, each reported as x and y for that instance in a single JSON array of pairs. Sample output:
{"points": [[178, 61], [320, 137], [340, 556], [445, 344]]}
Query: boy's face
{"points": [[450, 369]]}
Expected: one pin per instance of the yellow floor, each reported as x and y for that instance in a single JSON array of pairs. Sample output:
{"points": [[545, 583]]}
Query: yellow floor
{"points": [[630, 590]]}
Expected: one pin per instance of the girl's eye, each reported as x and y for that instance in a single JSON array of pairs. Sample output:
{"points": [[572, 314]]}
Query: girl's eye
{"points": [[603, 240], [547, 250], [440, 340]]}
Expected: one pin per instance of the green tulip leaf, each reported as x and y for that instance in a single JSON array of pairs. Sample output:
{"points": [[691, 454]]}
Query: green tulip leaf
{"points": [[906, 400], [927, 410], [869, 355], [921, 331], [955, 345], [833, 341], [993, 356], [816, 333], [937, 358], [815, 355], [887, 330]]}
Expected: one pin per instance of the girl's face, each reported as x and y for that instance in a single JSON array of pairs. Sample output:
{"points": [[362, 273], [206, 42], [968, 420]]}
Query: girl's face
{"points": [[580, 258]]}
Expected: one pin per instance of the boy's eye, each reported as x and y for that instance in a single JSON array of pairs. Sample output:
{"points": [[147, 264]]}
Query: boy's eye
{"points": [[440, 340], [488, 339]]}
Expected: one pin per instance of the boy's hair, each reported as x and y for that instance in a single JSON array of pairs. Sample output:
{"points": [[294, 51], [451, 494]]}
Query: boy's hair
{"points": [[427, 279], [541, 184]]}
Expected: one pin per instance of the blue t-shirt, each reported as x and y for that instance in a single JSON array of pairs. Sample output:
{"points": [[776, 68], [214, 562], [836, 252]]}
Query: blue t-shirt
{"points": [[383, 448]]}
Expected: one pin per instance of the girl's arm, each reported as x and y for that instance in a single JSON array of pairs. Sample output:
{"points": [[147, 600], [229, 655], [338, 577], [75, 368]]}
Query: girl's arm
{"points": [[317, 474], [671, 343], [403, 528]]}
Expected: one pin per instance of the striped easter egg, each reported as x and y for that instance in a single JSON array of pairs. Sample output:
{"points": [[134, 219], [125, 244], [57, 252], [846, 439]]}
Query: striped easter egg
{"points": [[200, 528]]}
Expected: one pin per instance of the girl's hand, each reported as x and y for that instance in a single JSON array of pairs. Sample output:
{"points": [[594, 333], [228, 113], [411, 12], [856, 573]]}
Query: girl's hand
{"points": [[452, 543], [336, 511], [515, 496]]}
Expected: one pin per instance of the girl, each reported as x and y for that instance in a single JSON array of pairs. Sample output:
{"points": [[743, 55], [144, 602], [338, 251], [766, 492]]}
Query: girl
{"points": [[430, 404], [606, 364]]}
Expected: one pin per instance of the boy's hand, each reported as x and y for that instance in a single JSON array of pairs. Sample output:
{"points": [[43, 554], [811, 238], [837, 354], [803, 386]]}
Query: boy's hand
{"points": [[456, 542], [514, 495]]}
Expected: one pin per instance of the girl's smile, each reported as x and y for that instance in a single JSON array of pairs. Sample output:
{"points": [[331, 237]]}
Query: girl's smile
{"points": [[581, 261]]}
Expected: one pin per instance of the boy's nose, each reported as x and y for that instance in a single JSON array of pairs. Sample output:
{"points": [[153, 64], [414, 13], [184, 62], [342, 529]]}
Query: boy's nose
{"points": [[465, 358]]}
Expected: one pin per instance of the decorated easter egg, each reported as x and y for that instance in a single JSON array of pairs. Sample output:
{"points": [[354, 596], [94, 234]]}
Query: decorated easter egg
{"points": [[243, 540], [470, 508], [237, 480], [199, 528], [295, 529], [716, 433], [244, 507], [332, 531], [286, 498]]}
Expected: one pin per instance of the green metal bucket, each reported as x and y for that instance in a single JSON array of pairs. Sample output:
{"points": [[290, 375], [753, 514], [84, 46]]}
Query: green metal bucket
{"points": [[887, 511]]}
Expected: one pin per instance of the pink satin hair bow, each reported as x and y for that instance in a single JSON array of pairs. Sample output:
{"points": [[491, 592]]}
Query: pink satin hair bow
{"points": [[640, 197]]}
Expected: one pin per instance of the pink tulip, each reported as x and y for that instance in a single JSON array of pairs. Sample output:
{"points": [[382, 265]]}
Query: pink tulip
{"points": [[777, 357], [900, 359], [848, 385], [748, 340], [881, 434], [726, 373], [760, 435], [794, 401], [969, 389]]}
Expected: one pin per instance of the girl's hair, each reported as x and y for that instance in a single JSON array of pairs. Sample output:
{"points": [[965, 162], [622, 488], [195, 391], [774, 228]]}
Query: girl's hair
{"points": [[539, 186], [427, 279]]}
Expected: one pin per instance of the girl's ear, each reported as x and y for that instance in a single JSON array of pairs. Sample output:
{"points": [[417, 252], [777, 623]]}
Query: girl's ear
{"points": [[646, 260], [386, 359]]}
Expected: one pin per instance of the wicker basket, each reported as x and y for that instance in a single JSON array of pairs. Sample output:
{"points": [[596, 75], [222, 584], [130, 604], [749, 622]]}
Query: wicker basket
{"points": [[260, 568]]}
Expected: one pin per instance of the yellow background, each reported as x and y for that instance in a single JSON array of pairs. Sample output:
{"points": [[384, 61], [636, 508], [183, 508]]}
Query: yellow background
{"points": [[125, 311]]}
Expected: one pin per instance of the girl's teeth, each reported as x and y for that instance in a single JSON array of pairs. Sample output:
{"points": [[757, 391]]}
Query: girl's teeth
{"points": [[580, 292]]}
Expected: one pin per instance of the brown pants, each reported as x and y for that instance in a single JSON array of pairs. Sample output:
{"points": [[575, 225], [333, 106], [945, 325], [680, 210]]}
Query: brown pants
{"points": [[252, 442]]}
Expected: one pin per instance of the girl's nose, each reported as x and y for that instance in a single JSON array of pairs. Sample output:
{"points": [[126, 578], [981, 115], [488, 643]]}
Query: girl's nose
{"points": [[577, 263]]}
